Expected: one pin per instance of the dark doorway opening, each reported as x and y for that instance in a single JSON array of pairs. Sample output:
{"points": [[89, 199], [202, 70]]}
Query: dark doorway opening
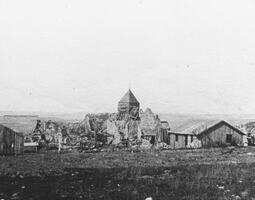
{"points": [[186, 140], [229, 138]]}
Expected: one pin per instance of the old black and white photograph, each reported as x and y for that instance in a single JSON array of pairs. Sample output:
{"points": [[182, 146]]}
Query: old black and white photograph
{"points": [[127, 100]]}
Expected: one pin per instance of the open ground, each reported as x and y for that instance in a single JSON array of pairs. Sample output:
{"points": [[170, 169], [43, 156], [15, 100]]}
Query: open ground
{"points": [[176, 174]]}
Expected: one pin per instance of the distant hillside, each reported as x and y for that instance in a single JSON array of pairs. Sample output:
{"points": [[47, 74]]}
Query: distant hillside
{"points": [[183, 122], [65, 116], [22, 122], [19, 124], [26, 124]]}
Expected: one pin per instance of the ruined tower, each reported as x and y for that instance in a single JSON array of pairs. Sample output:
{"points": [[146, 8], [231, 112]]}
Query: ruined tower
{"points": [[128, 105]]}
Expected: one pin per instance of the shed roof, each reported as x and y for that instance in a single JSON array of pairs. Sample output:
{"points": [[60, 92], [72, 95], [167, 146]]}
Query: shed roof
{"points": [[180, 133], [194, 127], [129, 97], [216, 125], [2, 127], [198, 127]]}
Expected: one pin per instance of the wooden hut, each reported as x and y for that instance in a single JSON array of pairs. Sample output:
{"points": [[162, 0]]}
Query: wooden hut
{"points": [[179, 137], [11, 142], [180, 140], [164, 132], [221, 134]]}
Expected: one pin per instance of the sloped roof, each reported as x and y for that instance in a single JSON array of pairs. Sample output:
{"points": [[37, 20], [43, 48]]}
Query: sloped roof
{"points": [[22, 124], [194, 126], [129, 97], [198, 128], [2, 127], [215, 126]]}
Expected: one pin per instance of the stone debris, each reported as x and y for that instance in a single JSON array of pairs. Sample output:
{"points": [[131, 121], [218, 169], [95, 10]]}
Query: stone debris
{"points": [[145, 144], [144, 132], [87, 134], [195, 144], [99, 130], [129, 128], [221, 187], [163, 146]]}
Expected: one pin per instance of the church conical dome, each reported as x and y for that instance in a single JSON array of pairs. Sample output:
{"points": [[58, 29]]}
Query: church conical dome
{"points": [[129, 97], [128, 104]]}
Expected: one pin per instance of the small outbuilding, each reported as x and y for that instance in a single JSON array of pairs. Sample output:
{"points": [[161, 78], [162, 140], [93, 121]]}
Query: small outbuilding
{"points": [[221, 134], [11, 142], [164, 132], [180, 140]]}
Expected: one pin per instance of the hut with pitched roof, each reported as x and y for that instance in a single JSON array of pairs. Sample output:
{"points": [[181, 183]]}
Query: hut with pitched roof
{"points": [[221, 134], [211, 133]]}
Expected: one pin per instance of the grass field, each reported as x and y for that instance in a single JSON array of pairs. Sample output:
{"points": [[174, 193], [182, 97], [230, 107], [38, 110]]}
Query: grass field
{"points": [[180, 174]]}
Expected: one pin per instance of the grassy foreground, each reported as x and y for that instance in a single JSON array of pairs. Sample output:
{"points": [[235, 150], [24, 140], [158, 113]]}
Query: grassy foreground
{"points": [[180, 174]]}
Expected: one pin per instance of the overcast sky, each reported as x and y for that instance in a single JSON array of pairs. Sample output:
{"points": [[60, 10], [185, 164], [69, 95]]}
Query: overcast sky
{"points": [[178, 56]]}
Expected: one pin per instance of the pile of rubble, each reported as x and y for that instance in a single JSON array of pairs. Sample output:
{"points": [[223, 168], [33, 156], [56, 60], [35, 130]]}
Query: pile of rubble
{"points": [[87, 134], [100, 130], [144, 132]]}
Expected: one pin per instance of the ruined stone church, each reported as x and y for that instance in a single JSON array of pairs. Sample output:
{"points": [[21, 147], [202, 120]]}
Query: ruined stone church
{"points": [[131, 123]]}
